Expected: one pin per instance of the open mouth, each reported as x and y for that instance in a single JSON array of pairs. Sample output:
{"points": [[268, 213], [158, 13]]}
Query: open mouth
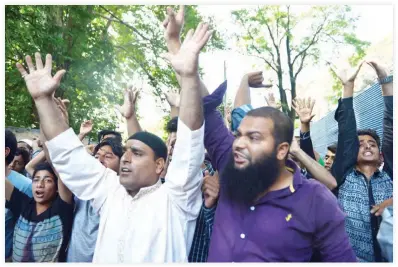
{"points": [[124, 171], [239, 158], [368, 153], [39, 194]]}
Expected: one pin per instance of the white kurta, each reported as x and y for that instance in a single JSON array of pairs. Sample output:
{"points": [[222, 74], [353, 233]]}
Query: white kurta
{"points": [[158, 224]]}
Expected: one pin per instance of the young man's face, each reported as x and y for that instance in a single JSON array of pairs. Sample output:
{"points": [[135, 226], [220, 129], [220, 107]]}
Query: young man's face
{"points": [[138, 166], [107, 158], [329, 159], [18, 164], [44, 187], [368, 150]]}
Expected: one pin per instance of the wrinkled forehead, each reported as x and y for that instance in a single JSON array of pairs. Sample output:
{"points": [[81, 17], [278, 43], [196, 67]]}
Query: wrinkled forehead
{"points": [[249, 124], [44, 173], [106, 149], [138, 145]]}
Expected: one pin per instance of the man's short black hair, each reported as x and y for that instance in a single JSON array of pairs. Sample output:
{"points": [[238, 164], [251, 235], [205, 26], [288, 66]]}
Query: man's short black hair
{"points": [[45, 167], [114, 143], [106, 132], [371, 133], [171, 126], [11, 143], [333, 148], [283, 125], [25, 154]]}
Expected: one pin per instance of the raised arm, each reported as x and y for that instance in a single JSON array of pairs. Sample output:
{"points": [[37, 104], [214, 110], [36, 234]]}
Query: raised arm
{"points": [[174, 101], [80, 172], [173, 24], [85, 128], [184, 175], [218, 139], [387, 91], [128, 111], [347, 142], [304, 109], [252, 79], [317, 171]]}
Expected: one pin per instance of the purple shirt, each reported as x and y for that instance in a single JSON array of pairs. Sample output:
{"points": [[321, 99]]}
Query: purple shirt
{"points": [[283, 226]]}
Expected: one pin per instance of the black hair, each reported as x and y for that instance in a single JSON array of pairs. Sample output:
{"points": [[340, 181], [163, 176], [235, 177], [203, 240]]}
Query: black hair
{"points": [[283, 125], [25, 154], [333, 148], [171, 126], [11, 143], [45, 167], [114, 143], [371, 133], [106, 132]]}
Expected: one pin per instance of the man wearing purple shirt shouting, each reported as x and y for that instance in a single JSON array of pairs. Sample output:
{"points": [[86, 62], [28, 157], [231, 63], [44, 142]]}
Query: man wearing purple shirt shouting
{"points": [[267, 210]]}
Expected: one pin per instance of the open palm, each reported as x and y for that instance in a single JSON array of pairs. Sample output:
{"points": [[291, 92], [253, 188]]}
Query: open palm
{"points": [[304, 109], [173, 23], [39, 81], [185, 62], [130, 98]]}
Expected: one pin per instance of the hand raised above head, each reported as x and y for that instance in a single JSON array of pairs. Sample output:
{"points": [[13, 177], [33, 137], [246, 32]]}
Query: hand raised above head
{"points": [[39, 81], [185, 62]]}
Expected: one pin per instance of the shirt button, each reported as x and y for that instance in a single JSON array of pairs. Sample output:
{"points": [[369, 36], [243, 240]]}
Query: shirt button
{"points": [[252, 208], [242, 236]]}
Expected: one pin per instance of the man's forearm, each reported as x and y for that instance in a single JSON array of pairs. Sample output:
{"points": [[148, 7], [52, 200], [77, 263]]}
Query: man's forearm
{"points": [[51, 120], [133, 126], [348, 90], [317, 171], [174, 111], [191, 108], [243, 94]]}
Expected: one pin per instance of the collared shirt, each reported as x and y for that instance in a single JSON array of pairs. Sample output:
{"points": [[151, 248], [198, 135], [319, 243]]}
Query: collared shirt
{"points": [[157, 224], [284, 225], [24, 185], [355, 193]]}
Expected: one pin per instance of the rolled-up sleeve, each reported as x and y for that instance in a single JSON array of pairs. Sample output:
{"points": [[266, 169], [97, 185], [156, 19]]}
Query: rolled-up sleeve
{"points": [[184, 176], [85, 176]]}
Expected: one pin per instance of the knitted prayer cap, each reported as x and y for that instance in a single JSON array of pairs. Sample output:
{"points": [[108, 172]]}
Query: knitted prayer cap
{"points": [[153, 141]]}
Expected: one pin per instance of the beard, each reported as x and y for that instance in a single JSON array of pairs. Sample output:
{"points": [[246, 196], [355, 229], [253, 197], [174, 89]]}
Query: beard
{"points": [[245, 185]]}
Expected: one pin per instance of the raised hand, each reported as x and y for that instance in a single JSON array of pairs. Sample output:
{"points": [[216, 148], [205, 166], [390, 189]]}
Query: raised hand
{"points": [[271, 102], [381, 71], [173, 99], [61, 103], [304, 109], [345, 77], [294, 147], [86, 127], [210, 189], [39, 81], [256, 79], [185, 62], [174, 23], [130, 99]]}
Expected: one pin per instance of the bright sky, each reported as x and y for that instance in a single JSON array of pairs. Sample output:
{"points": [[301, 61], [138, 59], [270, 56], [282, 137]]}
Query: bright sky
{"points": [[375, 24]]}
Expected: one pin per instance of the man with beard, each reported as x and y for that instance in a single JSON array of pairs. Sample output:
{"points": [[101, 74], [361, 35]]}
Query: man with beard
{"points": [[266, 212]]}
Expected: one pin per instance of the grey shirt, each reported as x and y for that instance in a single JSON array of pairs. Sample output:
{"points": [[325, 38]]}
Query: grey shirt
{"points": [[84, 233]]}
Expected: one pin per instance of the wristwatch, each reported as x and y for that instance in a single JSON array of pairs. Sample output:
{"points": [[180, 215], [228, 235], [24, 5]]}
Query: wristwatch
{"points": [[385, 80]]}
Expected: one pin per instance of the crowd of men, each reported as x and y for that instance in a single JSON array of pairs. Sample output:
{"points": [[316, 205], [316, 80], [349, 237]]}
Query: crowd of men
{"points": [[241, 189]]}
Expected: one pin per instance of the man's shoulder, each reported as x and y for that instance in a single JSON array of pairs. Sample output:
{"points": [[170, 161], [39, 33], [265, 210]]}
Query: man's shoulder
{"points": [[317, 189]]}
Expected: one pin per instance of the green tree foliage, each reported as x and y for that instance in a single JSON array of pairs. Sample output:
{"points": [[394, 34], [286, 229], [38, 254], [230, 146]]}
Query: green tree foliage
{"points": [[100, 47], [270, 33]]}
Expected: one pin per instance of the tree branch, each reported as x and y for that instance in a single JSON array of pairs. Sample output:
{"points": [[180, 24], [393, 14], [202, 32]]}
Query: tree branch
{"points": [[258, 51], [313, 41], [301, 65], [124, 23]]}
